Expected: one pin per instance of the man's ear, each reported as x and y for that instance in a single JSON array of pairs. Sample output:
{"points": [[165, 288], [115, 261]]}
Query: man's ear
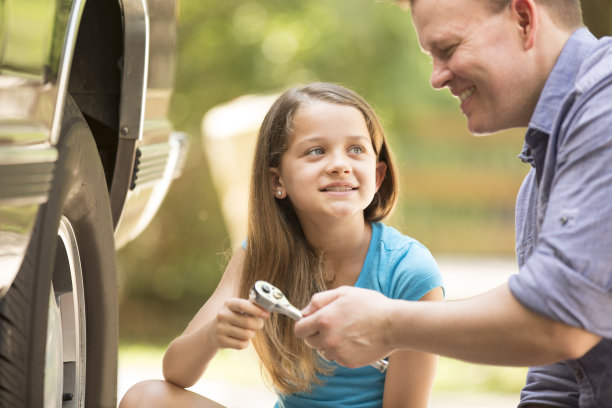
{"points": [[525, 12], [276, 184]]}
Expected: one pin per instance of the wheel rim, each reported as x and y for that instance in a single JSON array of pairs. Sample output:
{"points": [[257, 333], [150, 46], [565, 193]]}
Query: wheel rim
{"points": [[65, 354], [53, 354]]}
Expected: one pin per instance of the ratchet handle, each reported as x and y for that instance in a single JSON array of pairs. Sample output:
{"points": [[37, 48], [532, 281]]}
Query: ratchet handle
{"points": [[381, 365], [272, 299]]}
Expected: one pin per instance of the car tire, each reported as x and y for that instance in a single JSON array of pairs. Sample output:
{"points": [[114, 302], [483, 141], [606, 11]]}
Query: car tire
{"points": [[58, 321]]}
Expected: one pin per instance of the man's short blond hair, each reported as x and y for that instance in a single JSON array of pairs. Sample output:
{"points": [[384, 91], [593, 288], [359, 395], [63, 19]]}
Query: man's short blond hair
{"points": [[566, 13]]}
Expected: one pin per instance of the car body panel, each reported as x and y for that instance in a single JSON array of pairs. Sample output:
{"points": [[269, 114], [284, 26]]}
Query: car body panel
{"points": [[40, 62]]}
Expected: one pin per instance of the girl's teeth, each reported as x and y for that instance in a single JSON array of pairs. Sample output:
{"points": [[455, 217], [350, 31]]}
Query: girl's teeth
{"points": [[338, 189]]}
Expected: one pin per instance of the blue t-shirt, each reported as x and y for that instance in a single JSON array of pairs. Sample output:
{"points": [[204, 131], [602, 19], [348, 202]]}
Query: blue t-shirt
{"points": [[400, 268]]}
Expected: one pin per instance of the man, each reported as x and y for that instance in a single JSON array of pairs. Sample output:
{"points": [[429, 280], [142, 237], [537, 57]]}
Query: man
{"points": [[514, 63]]}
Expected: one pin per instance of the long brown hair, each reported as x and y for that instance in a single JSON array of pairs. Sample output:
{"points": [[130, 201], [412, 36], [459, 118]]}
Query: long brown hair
{"points": [[277, 250]]}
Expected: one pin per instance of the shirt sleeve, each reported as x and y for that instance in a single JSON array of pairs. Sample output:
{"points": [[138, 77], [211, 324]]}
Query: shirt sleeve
{"points": [[568, 277], [414, 273]]}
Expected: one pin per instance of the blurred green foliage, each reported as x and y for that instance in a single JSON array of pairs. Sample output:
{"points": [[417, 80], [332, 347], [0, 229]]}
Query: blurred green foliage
{"points": [[458, 191]]}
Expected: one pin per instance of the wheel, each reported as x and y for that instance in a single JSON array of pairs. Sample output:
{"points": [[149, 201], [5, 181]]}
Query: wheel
{"points": [[58, 321]]}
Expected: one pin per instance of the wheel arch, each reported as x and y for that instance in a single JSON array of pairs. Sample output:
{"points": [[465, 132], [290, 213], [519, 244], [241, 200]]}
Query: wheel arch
{"points": [[108, 80], [95, 75]]}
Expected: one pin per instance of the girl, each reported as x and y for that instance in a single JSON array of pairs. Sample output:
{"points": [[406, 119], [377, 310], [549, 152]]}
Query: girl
{"points": [[323, 178]]}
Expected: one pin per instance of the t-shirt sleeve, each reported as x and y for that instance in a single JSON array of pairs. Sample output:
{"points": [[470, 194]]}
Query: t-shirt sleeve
{"points": [[414, 273], [568, 276]]}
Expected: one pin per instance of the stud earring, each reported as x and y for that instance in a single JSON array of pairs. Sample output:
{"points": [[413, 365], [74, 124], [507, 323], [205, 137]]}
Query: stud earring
{"points": [[279, 193]]}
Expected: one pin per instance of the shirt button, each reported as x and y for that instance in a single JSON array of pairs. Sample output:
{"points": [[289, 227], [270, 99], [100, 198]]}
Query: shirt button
{"points": [[579, 375]]}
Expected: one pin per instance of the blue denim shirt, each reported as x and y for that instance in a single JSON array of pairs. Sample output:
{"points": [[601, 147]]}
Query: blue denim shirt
{"points": [[564, 220]]}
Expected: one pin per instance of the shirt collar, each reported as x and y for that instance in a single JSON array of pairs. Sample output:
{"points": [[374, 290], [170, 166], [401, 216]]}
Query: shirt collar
{"points": [[561, 79]]}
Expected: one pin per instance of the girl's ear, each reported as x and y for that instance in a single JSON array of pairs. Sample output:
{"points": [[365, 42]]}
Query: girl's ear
{"points": [[276, 185], [381, 171]]}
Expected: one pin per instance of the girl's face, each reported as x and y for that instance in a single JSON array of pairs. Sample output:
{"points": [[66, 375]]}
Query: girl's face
{"points": [[329, 169]]}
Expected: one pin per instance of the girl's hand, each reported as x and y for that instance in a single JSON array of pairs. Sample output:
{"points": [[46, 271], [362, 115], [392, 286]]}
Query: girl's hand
{"points": [[237, 322]]}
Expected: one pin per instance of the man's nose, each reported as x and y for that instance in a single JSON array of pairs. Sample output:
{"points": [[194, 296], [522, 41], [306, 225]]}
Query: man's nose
{"points": [[441, 75]]}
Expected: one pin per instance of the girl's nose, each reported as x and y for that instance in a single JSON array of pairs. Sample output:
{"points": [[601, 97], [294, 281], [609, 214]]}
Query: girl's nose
{"points": [[339, 164]]}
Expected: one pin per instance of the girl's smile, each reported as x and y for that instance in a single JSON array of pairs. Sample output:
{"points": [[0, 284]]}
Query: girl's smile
{"points": [[338, 188]]}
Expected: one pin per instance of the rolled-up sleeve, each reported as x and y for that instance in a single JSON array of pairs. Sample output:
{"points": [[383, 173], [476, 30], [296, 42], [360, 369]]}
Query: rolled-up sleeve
{"points": [[568, 276]]}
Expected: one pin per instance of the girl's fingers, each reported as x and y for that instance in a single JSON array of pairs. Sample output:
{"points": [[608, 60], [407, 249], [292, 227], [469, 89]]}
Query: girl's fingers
{"points": [[237, 322], [240, 320], [242, 314], [230, 342], [230, 336], [236, 333], [244, 306]]}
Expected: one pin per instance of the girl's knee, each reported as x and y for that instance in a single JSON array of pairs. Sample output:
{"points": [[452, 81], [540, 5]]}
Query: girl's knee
{"points": [[150, 393], [159, 393]]}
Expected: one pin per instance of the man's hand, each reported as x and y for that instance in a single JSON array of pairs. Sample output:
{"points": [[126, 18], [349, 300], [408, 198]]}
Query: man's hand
{"points": [[347, 325]]}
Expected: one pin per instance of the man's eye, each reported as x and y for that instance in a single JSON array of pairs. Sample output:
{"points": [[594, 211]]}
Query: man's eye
{"points": [[315, 152], [448, 51]]}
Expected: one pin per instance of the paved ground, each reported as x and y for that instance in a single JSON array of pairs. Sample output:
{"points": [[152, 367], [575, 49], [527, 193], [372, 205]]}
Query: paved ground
{"points": [[237, 387], [237, 396], [234, 395]]}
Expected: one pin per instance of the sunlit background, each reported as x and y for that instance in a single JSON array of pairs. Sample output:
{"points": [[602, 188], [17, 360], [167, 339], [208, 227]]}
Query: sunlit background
{"points": [[457, 190]]}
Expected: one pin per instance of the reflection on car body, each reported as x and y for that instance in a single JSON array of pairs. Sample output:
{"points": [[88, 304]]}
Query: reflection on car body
{"points": [[87, 155]]}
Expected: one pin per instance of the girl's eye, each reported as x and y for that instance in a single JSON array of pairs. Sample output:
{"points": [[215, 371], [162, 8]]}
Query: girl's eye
{"points": [[356, 149], [315, 152]]}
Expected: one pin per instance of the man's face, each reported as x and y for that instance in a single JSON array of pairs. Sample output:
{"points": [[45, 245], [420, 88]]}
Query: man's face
{"points": [[481, 58]]}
